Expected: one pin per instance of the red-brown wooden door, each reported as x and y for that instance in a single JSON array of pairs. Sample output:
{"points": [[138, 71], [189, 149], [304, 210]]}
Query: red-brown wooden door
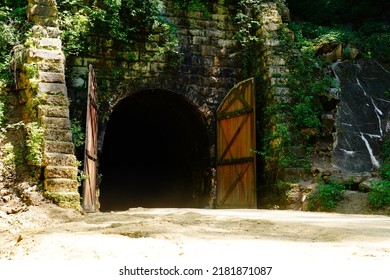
{"points": [[90, 157], [236, 141]]}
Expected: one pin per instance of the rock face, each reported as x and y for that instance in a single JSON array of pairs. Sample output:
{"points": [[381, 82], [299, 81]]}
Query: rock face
{"points": [[362, 119]]}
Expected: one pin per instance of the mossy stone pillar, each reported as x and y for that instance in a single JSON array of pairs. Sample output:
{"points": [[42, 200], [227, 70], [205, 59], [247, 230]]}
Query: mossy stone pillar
{"points": [[44, 92]]}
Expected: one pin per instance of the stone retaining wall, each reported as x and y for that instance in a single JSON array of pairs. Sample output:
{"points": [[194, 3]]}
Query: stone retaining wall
{"points": [[210, 66]]}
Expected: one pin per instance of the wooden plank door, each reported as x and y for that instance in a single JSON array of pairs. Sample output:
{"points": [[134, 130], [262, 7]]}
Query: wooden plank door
{"points": [[90, 156], [236, 141]]}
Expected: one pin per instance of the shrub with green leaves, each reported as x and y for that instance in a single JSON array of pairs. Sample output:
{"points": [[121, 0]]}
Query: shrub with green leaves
{"points": [[379, 195], [78, 136], [326, 197], [12, 31], [127, 22], [34, 144]]}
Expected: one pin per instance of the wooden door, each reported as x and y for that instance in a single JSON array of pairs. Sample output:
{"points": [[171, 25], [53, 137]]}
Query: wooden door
{"points": [[90, 156], [236, 141]]}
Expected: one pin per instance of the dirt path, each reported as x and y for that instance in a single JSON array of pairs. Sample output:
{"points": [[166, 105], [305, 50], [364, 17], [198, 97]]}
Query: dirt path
{"points": [[193, 234]]}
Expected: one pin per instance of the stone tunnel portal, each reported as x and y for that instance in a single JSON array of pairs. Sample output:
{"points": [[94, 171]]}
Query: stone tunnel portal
{"points": [[155, 154]]}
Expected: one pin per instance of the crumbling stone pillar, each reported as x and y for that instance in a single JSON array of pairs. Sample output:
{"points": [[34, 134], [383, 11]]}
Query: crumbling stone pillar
{"points": [[44, 92], [275, 73]]}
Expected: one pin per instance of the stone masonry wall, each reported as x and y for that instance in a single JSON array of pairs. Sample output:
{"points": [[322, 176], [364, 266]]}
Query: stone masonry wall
{"points": [[210, 66], [43, 90]]}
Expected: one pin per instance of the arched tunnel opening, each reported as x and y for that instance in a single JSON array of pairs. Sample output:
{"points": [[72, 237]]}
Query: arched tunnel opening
{"points": [[155, 154]]}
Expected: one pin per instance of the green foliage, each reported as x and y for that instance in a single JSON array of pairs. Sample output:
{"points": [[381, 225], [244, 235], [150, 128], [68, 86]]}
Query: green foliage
{"points": [[379, 195], [364, 24], [296, 113], [385, 155], [193, 6], [3, 107], [377, 46], [34, 142], [248, 24], [326, 197], [8, 156], [78, 136], [12, 32], [127, 22]]}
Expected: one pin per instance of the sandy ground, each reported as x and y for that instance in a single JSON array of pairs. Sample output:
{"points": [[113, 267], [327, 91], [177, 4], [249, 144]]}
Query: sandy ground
{"points": [[193, 235]]}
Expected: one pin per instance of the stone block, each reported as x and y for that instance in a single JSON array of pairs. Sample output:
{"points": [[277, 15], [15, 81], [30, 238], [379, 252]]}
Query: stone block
{"points": [[60, 185], [140, 66], [211, 25], [220, 61], [57, 159], [55, 100], [226, 43], [272, 43], [49, 55], [55, 123], [276, 60], [156, 57], [50, 43], [52, 88], [209, 51], [272, 26], [51, 77], [196, 32], [53, 111], [223, 25], [221, 10], [45, 21], [219, 18], [59, 147], [277, 70], [195, 15], [65, 199], [39, 31], [278, 81], [200, 40], [58, 135], [43, 2], [42, 10], [158, 67], [55, 172], [54, 67], [215, 33], [282, 93]]}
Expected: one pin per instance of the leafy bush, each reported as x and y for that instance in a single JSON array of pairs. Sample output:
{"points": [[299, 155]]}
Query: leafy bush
{"points": [[326, 197], [379, 196], [193, 5], [78, 136], [370, 35], [34, 144], [12, 27], [127, 22]]}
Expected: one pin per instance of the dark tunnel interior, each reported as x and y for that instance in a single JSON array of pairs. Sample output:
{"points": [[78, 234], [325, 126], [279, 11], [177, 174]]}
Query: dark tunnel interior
{"points": [[154, 153]]}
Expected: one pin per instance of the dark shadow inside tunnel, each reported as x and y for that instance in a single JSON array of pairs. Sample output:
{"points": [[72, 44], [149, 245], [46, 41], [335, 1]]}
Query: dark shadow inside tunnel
{"points": [[155, 154]]}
